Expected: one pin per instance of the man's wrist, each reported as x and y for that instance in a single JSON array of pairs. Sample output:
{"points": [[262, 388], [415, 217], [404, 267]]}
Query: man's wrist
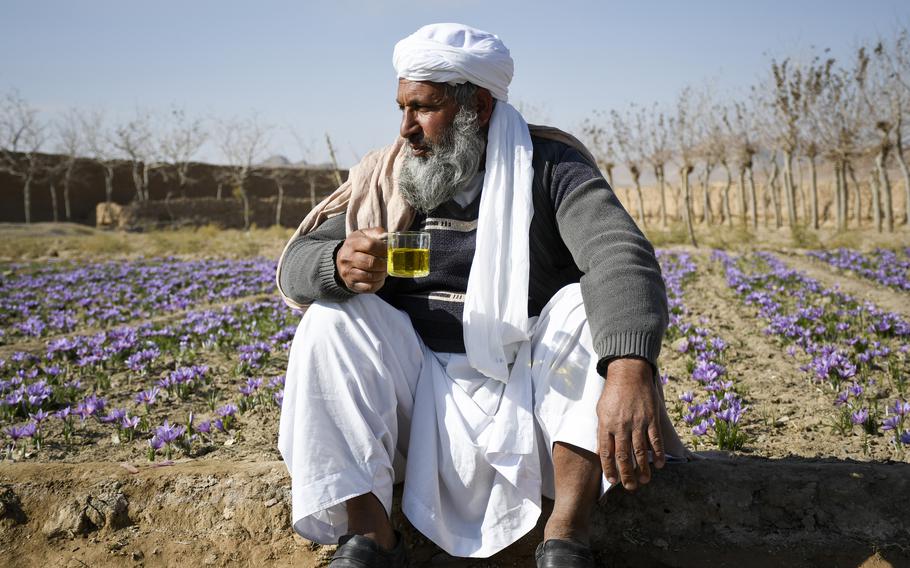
{"points": [[627, 363]]}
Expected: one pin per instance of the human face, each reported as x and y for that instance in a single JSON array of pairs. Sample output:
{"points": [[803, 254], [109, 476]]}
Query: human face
{"points": [[426, 114]]}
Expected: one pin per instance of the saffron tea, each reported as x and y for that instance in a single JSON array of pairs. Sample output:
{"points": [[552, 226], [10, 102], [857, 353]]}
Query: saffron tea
{"points": [[409, 254]]}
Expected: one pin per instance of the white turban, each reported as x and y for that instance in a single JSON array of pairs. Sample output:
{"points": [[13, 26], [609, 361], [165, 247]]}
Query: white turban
{"points": [[495, 318], [455, 54]]}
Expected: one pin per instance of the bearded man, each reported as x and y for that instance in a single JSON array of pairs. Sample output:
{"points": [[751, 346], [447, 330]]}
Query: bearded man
{"points": [[523, 365]]}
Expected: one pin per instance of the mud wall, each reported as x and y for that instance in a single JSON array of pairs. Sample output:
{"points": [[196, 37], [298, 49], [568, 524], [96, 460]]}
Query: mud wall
{"points": [[223, 213], [87, 189]]}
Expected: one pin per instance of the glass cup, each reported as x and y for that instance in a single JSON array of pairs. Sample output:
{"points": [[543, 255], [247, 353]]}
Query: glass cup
{"points": [[409, 254]]}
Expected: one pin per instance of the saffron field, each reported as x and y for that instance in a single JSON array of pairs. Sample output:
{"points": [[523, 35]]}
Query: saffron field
{"points": [[149, 362], [163, 358]]}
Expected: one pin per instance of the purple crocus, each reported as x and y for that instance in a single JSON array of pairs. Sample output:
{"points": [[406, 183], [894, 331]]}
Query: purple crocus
{"points": [[168, 433], [701, 428], [114, 415], [227, 410], [891, 423], [860, 416], [147, 397]]}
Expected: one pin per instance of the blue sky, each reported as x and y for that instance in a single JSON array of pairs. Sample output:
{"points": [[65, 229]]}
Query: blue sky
{"points": [[319, 67]]}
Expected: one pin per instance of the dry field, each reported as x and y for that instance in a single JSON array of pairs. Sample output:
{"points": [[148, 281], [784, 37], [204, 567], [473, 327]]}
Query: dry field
{"points": [[157, 361]]}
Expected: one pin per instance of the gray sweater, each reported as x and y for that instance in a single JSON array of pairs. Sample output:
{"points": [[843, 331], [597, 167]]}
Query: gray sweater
{"points": [[579, 233]]}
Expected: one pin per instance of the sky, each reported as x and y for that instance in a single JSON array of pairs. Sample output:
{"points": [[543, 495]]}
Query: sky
{"points": [[313, 68]]}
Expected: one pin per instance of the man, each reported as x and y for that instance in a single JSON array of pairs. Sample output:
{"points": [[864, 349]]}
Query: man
{"points": [[524, 364]]}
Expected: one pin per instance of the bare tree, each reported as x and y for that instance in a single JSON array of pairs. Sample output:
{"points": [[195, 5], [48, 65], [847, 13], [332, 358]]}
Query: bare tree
{"points": [[740, 125], [100, 149], [898, 58], [600, 141], [658, 151], [629, 130], [281, 175], [134, 140], [180, 141], [838, 118], [242, 144], [712, 149], [687, 142], [22, 134], [881, 97], [812, 131], [787, 87], [71, 144]]}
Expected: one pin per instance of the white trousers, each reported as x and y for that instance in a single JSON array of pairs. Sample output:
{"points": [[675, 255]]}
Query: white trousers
{"points": [[367, 404]]}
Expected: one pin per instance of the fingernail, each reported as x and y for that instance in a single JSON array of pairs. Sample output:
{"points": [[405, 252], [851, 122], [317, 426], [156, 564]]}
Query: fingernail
{"points": [[612, 480]]}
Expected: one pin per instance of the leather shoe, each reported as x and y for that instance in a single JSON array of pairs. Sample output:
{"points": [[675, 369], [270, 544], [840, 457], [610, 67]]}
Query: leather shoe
{"points": [[556, 553], [356, 551]]}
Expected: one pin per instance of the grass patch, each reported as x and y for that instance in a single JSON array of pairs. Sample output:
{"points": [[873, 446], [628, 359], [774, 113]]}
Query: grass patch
{"points": [[803, 237], [32, 243]]}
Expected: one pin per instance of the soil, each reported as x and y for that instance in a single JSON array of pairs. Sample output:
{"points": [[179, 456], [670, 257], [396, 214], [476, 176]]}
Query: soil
{"points": [[101, 503]]}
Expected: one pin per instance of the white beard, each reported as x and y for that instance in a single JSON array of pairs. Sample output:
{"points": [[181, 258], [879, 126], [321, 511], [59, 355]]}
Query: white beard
{"points": [[428, 182]]}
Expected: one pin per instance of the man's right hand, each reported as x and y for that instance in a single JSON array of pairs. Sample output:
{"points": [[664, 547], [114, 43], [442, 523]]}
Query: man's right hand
{"points": [[361, 260]]}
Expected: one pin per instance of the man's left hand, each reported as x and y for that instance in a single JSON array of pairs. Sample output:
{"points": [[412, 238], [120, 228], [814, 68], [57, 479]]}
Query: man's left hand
{"points": [[629, 423]]}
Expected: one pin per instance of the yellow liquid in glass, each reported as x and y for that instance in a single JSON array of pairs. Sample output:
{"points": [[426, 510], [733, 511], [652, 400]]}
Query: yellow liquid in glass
{"points": [[409, 262]]}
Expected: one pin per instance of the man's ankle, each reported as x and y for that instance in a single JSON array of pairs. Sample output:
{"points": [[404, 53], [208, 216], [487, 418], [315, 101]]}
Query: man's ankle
{"points": [[559, 529], [367, 517]]}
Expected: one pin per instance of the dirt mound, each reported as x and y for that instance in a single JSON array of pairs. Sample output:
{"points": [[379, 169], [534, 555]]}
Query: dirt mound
{"points": [[740, 512]]}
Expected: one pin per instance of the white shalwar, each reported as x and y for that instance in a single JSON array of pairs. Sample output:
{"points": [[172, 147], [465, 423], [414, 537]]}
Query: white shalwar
{"points": [[367, 404]]}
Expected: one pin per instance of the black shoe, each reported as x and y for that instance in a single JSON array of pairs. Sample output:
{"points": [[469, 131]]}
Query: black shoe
{"points": [[555, 553], [356, 551]]}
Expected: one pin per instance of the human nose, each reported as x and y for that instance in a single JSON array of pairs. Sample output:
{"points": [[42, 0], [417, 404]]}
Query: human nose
{"points": [[409, 125]]}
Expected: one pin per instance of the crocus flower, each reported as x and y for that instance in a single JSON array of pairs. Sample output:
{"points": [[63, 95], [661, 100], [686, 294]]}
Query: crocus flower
{"points": [[860, 416], [891, 423]]}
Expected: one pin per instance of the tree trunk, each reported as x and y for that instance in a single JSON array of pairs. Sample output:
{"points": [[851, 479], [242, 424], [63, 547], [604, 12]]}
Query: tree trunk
{"points": [[659, 174], [54, 201], [876, 198], [801, 189], [278, 205], [881, 161], [751, 177], [687, 198], [858, 197], [813, 213], [789, 190], [906, 173], [840, 197], [218, 191], [108, 183], [137, 181], [67, 178], [742, 197], [725, 205], [772, 189], [145, 181], [27, 198], [246, 209], [707, 215], [641, 201]]}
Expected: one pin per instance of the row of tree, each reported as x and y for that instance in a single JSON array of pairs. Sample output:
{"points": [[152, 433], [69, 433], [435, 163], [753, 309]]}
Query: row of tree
{"points": [[44, 152], [844, 117]]}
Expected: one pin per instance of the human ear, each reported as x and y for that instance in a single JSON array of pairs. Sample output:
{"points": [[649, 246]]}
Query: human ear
{"points": [[484, 107]]}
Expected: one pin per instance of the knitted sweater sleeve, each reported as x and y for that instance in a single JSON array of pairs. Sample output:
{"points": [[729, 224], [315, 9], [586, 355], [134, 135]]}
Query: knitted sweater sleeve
{"points": [[308, 272], [622, 287]]}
